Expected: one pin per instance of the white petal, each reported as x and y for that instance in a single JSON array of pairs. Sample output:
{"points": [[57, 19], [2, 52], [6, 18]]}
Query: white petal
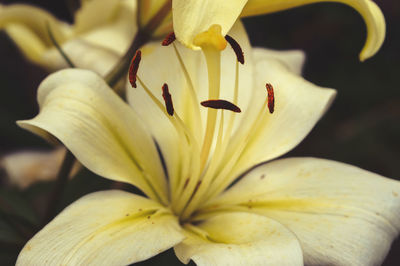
{"points": [[370, 12], [104, 228], [102, 131], [341, 214], [299, 104], [240, 239], [292, 59], [191, 17], [26, 167]]}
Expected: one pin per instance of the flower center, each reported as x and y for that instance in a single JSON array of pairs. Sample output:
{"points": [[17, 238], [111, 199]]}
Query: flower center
{"points": [[205, 162]]}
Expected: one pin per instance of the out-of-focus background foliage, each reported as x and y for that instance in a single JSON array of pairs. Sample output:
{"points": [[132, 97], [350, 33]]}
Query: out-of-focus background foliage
{"points": [[361, 128]]}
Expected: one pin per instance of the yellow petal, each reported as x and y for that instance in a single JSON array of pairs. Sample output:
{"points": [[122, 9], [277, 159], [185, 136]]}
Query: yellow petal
{"points": [[342, 215], [94, 13], [371, 13], [27, 26], [104, 228], [192, 17], [239, 239], [24, 168], [102, 131]]}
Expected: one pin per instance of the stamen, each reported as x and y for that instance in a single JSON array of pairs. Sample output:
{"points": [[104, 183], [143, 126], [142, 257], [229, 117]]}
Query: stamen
{"points": [[236, 48], [168, 100], [133, 69], [170, 38], [221, 104], [271, 97]]}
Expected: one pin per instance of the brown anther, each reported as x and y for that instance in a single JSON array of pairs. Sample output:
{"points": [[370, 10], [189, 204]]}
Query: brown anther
{"points": [[221, 104], [170, 38], [271, 97], [236, 48], [186, 183], [168, 100], [133, 69]]}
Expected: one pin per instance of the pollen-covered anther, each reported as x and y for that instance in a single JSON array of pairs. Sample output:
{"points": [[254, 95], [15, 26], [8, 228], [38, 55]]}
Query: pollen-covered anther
{"points": [[167, 99], [133, 69], [236, 48], [170, 38], [271, 97], [221, 104]]}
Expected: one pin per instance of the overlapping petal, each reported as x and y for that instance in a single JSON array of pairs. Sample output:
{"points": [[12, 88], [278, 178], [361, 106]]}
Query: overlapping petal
{"points": [[102, 131], [239, 239], [104, 228], [342, 215], [193, 17]]}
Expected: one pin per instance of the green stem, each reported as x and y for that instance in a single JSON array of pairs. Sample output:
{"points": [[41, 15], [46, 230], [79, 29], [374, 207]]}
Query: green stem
{"points": [[62, 179]]}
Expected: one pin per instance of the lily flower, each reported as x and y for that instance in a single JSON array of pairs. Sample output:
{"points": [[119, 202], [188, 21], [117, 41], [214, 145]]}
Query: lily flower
{"points": [[102, 32], [191, 17], [209, 193]]}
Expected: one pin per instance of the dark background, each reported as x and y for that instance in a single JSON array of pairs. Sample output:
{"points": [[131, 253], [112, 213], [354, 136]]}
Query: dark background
{"points": [[361, 128]]}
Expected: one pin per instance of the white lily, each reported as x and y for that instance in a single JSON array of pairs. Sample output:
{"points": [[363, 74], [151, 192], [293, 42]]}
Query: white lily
{"points": [[192, 17], [102, 32], [285, 212]]}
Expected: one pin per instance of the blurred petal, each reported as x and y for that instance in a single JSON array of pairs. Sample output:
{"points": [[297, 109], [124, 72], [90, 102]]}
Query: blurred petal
{"points": [[116, 33], [94, 42], [102, 131], [27, 26], [239, 239], [342, 215], [24, 168], [104, 228], [94, 13], [83, 54], [191, 17], [371, 13]]}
